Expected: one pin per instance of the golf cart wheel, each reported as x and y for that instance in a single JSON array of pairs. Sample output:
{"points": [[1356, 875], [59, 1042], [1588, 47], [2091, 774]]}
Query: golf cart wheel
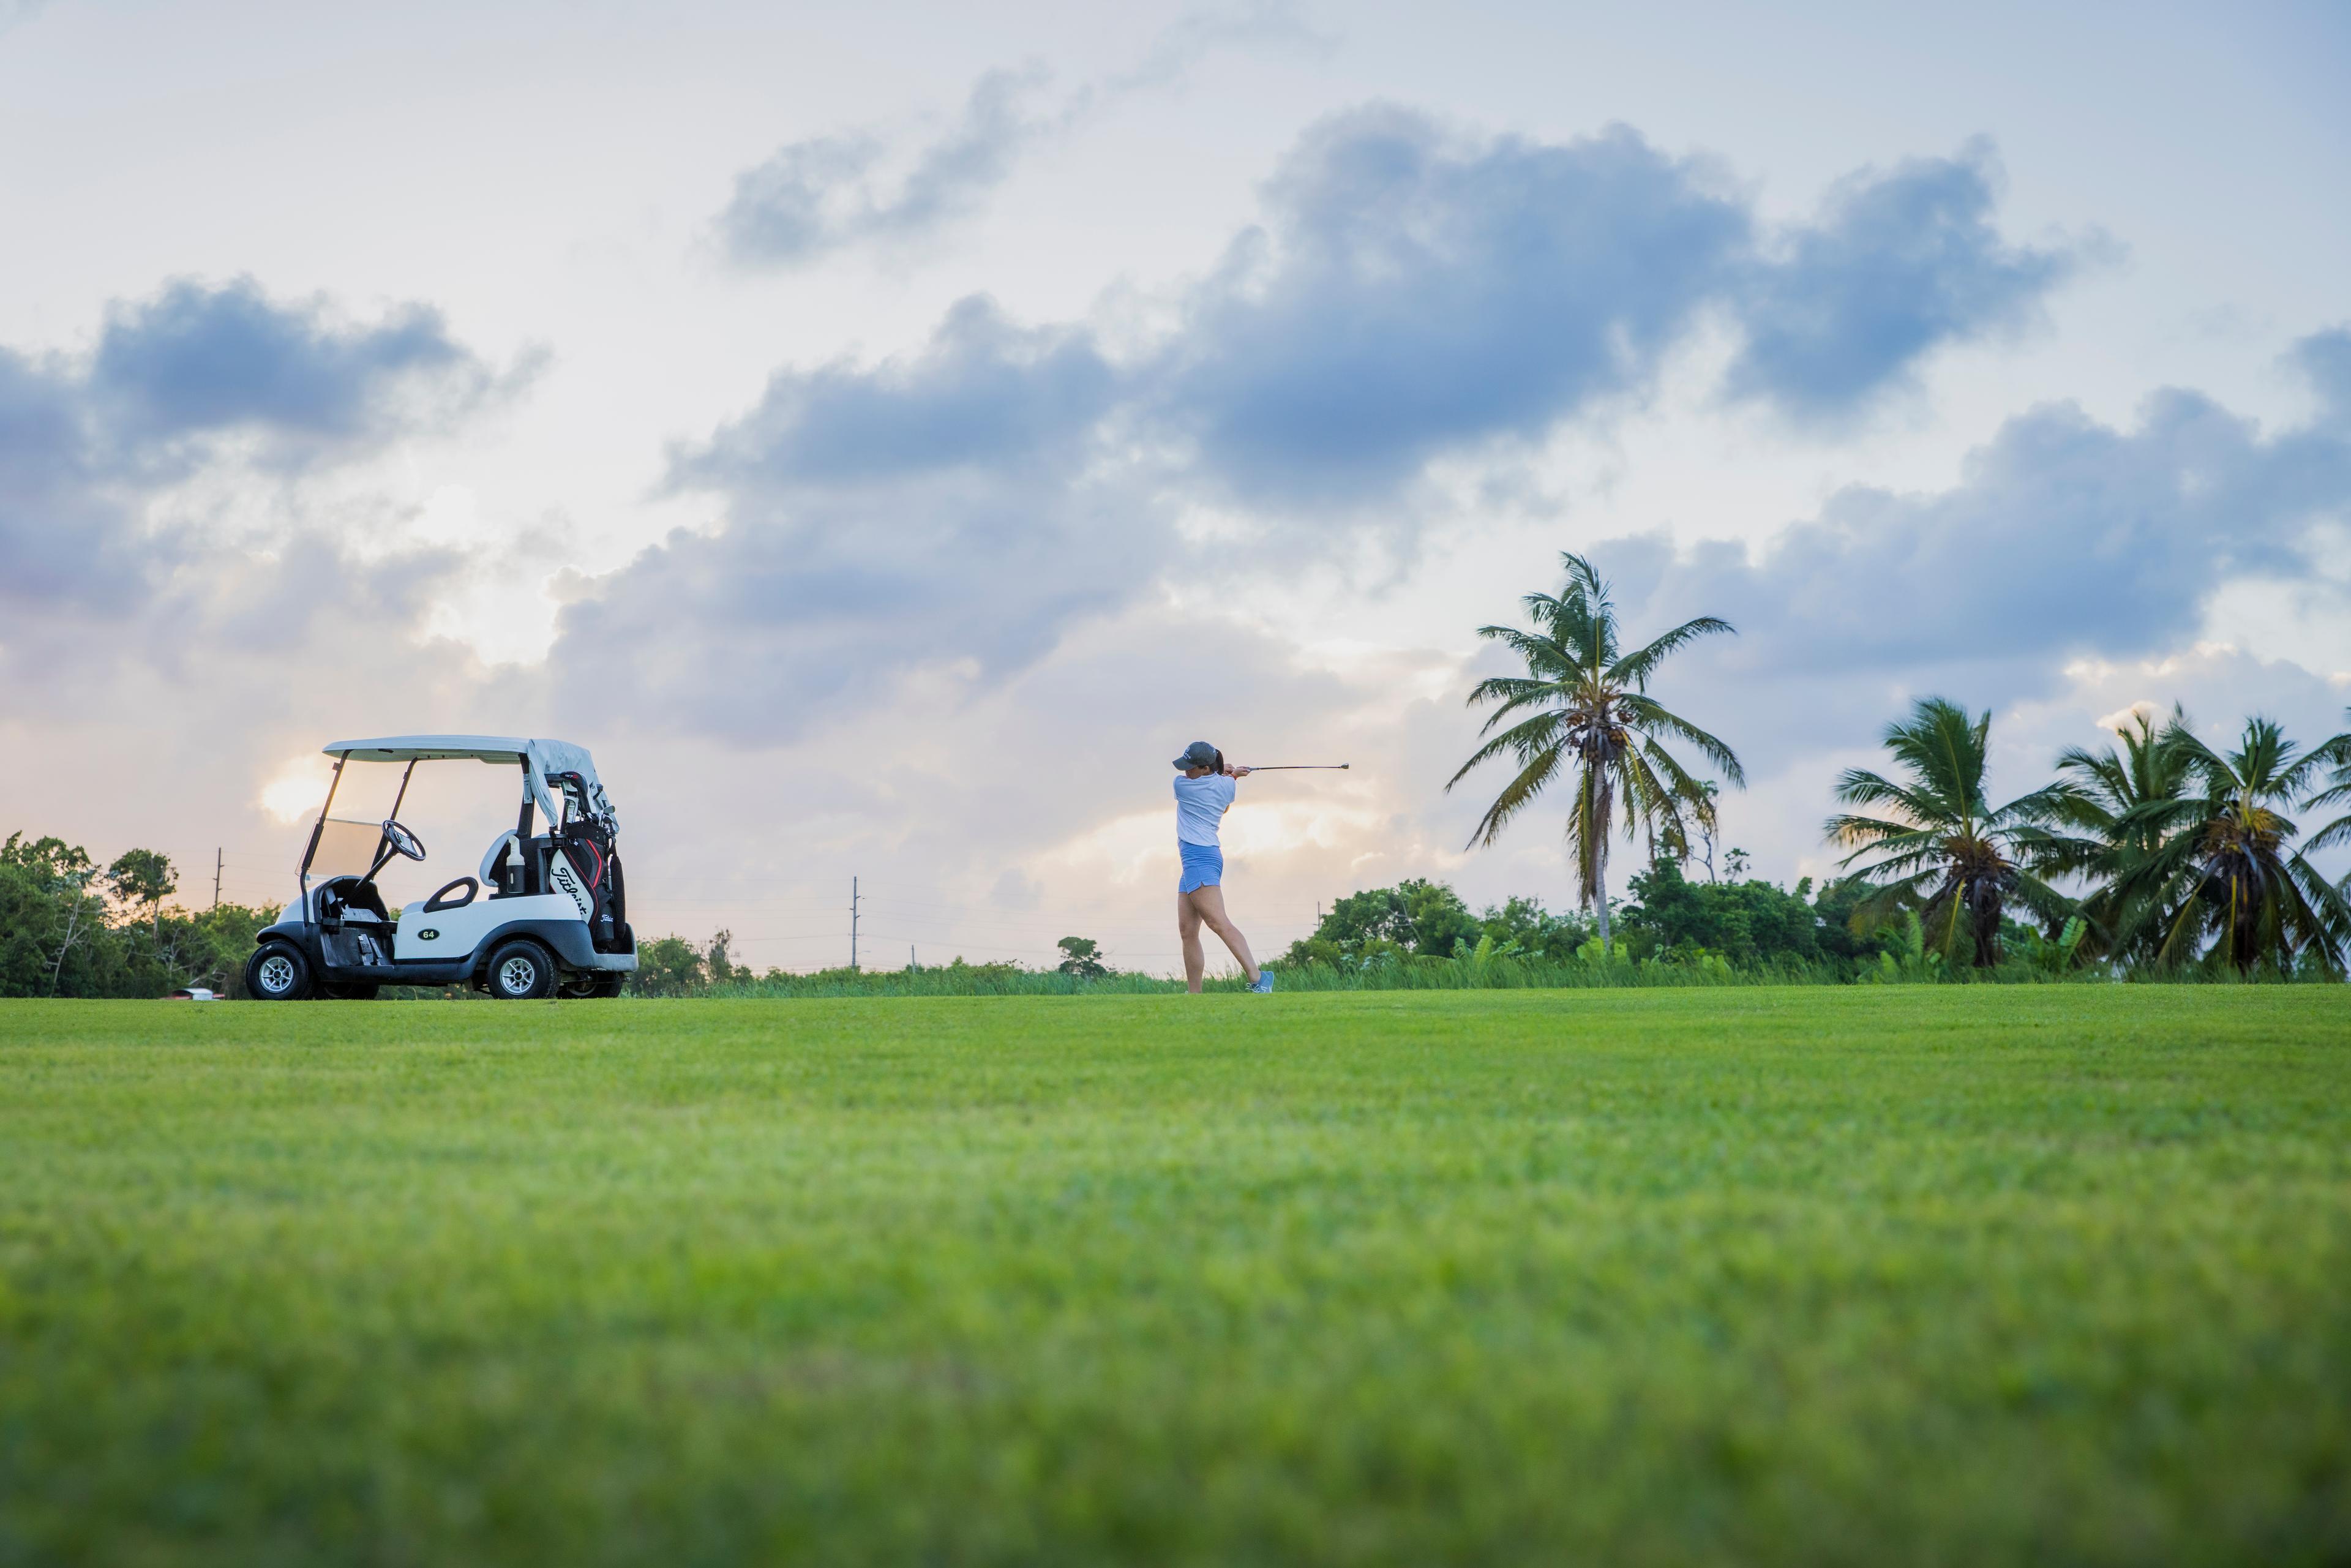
{"points": [[587, 987], [521, 971], [277, 973]]}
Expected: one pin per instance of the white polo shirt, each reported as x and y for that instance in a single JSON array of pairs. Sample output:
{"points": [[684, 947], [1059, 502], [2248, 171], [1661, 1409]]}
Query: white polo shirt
{"points": [[1200, 805]]}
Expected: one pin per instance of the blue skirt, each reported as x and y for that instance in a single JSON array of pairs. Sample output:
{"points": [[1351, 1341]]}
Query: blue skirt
{"points": [[1203, 866]]}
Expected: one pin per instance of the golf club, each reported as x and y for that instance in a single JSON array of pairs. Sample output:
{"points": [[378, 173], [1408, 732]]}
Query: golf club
{"points": [[1298, 767]]}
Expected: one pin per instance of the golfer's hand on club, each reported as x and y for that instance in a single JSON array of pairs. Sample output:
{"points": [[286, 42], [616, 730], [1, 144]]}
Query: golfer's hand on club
{"points": [[1231, 771]]}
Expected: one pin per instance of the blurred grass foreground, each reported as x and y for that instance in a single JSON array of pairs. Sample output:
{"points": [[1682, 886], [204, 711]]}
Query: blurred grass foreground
{"points": [[1738, 1275]]}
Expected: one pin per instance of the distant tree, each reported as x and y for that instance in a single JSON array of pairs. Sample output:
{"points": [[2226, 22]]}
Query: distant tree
{"points": [[2114, 810], [720, 968], [55, 913], [1583, 709], [1708, 822], [1747, 922], [56, 938], [220, 939], [1413, 917], [1522, 928], [1833, 910], [667, 967], [1081, 956], [143, 879], [1937, 846], [2222, 871]]}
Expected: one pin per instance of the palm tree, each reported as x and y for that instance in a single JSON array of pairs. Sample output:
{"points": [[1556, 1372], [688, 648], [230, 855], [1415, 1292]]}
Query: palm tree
{"points": [[2107, 800], [2221, 869], [1584, 707], [1941, 849]]}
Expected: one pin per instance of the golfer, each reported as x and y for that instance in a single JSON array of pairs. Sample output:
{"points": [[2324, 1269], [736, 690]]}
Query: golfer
{"points": [[1202, 796]]}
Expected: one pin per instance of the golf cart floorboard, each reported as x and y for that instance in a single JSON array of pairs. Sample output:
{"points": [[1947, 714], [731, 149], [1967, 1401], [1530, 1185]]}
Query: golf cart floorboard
{"points": [[428, 973]]}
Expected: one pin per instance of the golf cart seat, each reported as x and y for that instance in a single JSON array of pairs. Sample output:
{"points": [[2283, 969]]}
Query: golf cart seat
{"points": [[502, 862]]}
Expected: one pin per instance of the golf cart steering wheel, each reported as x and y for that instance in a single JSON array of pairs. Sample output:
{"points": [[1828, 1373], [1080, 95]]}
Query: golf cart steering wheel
{"points": [[403, 840]]}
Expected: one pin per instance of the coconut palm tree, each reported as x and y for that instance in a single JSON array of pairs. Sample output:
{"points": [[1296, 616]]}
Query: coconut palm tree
{"points": [[1582, 712], [2106, 802], [1939, 848], [2222, 872]]}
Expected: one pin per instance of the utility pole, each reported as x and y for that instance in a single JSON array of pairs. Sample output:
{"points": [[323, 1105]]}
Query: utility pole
{"points": [[216, 870], [852, 923]]}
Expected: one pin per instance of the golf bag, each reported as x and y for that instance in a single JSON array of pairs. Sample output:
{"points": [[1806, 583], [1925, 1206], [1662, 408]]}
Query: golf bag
{"points": [[586, 864]]}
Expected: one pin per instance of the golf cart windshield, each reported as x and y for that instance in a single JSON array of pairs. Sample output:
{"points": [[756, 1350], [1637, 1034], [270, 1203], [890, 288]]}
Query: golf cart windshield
{"points": [[345, 848], [361, 795]]}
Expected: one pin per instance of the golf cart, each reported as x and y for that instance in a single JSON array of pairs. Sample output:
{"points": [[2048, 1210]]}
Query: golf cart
{"points": [[546, 915]]}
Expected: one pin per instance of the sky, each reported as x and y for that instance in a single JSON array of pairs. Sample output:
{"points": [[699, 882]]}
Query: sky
{"points": [[885, 434]]}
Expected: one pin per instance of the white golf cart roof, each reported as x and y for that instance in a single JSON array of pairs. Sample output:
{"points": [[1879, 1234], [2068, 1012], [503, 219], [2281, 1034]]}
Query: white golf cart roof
{"points": [[541, 757]]}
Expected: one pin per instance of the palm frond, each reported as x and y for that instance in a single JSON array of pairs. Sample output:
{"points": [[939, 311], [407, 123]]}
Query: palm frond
{"points": [[1525, 738], [1860, 786], [1516, 795], [1645, 714], [1634, 669]]}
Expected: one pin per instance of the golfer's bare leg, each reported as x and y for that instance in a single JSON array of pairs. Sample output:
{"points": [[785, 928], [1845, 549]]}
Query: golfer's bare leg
{"points": [[1187, 926], [1211, 903]]}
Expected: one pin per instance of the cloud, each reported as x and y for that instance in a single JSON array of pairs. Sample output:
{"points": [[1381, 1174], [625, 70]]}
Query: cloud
{"points": [[2064, 540], [65, 540], [985, 395], [200, 382], [1894, 266], [2064, 536], [2323, 359], [820, 195], [1196, 34], [824, 194], [197, 362], [943, 513], [1412, 290]]}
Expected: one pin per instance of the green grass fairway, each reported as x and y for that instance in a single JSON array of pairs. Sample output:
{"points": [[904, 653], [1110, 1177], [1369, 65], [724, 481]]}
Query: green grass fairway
{"points": [[1947, 1275]]}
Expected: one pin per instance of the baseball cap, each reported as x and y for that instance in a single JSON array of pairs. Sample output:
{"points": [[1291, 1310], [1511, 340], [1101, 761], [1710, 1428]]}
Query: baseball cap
{"points": [[1199, 754]]}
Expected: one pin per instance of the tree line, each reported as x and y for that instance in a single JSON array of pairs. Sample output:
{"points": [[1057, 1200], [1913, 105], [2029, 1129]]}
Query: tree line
{"points": [[2183, 855], [1670, 918], [70, 927]]}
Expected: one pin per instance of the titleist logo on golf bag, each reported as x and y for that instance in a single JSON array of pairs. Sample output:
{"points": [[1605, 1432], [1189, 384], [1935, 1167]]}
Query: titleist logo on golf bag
{"points": [[567, 880]]}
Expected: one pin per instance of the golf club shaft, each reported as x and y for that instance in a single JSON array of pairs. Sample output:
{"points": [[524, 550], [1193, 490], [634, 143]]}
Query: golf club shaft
{"points": [[1298, 768]]}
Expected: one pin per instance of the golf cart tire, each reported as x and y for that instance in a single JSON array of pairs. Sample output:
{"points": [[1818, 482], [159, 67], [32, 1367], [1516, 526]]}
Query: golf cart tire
{"points": [[520, 971], [593, 988], [277, 973]]}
